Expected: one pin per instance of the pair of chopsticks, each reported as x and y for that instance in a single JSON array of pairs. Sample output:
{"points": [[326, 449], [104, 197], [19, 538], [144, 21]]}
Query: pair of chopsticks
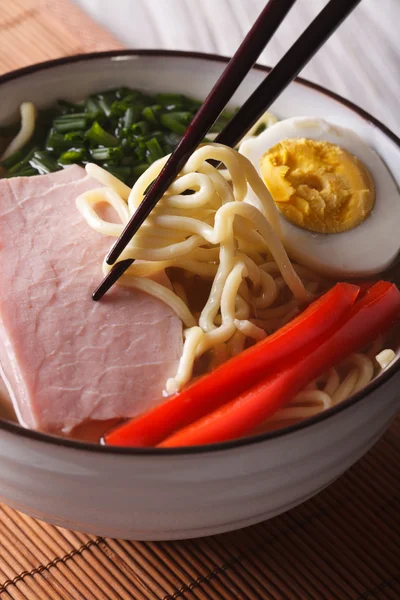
{"points": [[326, 22]]}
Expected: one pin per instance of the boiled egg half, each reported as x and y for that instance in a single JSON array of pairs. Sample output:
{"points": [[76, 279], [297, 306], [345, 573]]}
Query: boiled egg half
{"points": [[338, 204]]}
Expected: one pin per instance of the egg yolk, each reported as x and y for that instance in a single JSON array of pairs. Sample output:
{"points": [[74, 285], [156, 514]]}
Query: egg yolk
{"points": [[318, 185]]}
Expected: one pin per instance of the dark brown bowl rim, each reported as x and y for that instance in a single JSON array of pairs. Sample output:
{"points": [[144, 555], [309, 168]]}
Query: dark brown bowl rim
{"points": [[387, 375]]}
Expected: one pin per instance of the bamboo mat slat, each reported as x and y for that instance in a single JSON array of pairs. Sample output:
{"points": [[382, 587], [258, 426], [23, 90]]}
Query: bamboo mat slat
{"points": [[342, 545], [37, 30]]}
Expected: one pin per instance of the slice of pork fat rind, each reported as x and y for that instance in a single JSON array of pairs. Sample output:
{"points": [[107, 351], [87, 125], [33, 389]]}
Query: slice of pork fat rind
{"points": [[66, 358]]}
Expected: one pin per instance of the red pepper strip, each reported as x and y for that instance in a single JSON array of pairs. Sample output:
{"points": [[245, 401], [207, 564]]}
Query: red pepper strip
{"points": [[369, 317], [364, 286], [237, 374]]}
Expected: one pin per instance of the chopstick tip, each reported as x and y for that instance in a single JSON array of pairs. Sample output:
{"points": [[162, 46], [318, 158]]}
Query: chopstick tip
{"points": [[111, 277]]}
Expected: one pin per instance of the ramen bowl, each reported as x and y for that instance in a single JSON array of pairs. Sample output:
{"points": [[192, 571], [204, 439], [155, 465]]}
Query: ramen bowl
{"points": [[165, 494]]}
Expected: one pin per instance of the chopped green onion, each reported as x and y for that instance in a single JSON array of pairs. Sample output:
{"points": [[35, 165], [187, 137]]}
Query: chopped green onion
{"points": [[219, 125], [72, 122], [159, 135], [154, 150], [106, 153], [183, 116], [125, 144], [105, 103], [44, 122], [57, 142], [194, 104], [170, 99], [71, 117], [139, 169], [169, 121], [75, 155], [140, 128], [171, 140], [98, 135], [27, 172], [44, 163], [140, 151], [124, 92], [120, 108], [122, 129], [131, 115], [227, 114], [23, 164], [92, 108], [222, 121], [75, 136], [13, 159], [152, 114]]}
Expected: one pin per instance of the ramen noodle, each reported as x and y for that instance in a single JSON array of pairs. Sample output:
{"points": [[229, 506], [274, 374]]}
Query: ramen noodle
{"points": [[215, 236]]}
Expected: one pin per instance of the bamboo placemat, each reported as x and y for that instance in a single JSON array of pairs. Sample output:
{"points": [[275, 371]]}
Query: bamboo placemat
{"points": [[36, 30], [343, 544]]}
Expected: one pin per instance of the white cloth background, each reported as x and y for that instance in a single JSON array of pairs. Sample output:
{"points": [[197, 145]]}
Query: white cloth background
{"points": [[361, 61]]}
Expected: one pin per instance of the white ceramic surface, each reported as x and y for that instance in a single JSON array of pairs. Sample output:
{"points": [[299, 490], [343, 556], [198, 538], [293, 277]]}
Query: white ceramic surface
{"points": [[154, 495]]}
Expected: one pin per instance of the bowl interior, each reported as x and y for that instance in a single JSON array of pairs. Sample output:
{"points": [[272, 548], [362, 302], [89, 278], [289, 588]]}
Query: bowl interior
{"points": [[190, 74], [184, 72]]}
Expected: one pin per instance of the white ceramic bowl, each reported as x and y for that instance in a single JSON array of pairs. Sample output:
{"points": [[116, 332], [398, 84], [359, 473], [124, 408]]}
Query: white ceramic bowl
{"points": [[169, 494]]}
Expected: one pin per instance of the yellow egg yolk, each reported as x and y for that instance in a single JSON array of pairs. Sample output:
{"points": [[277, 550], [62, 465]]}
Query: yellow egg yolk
{"points": [[318, 185]]}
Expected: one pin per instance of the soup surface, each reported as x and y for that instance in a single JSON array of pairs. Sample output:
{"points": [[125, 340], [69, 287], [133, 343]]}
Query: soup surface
{"points": [[253, 300]]}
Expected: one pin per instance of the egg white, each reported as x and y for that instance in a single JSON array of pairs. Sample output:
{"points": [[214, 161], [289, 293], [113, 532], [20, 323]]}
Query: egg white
{"points": [[366, 250]]}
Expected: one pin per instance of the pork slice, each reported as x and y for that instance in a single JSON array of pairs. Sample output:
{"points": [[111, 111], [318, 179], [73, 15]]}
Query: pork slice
{"points": [[65, 358]]}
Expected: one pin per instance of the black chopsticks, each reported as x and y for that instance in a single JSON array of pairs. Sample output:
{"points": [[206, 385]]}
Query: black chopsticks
{"points": [[275, 82], [234, 73], [316, 34]]}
